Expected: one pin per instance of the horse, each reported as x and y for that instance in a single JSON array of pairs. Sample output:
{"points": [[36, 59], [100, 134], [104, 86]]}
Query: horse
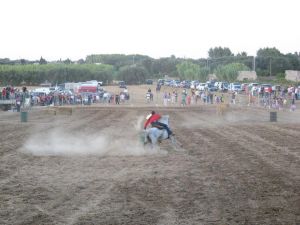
{"points": [[154, 135]]}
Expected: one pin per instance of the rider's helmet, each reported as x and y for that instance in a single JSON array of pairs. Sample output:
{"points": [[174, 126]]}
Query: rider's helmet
{"points": [[148, 117], [153, 112]]}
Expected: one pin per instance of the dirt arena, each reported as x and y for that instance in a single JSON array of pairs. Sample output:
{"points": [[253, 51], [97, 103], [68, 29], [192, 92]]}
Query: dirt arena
{"points": [[90, 168]]}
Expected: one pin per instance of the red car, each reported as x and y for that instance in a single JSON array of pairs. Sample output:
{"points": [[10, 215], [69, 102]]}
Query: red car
{"points": [[267, 88]]}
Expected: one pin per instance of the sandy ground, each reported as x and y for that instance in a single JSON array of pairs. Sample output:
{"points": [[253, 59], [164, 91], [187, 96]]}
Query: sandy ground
{"points": [[89, 167]]}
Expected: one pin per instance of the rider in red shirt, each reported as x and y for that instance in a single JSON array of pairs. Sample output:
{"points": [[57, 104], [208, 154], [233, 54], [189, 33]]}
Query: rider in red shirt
{"points": [[153, 120]]}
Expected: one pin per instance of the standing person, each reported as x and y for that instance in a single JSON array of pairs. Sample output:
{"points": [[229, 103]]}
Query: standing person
{"points": [[222, 98], [197, 95], [183, 98], [203, 96], [176, 96], [165, 99], [293, 106], [233, 97], [4, 93], [189, 99], [122, 97], [217, 99], [158, 88], [211, 96], [151, 97], [148, 97], [18, 103], [153, 120], [117, 100], [173, 97], [169, 97]]}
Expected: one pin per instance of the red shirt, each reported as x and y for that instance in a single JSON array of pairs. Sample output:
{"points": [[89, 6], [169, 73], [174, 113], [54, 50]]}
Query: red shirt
{"points": [[152, 119]]}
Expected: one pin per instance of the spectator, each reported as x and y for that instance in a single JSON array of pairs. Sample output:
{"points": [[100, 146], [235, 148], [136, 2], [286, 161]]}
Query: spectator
{"points": [[4, 93], [165, 99], [189, 98], [233, 95], [117, 100], [183, 98]]}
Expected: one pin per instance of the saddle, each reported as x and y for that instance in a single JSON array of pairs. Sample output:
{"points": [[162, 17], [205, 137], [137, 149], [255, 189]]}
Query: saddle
{"points": [[157, 126]]}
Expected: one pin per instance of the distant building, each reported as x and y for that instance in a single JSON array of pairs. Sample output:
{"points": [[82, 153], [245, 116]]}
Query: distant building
{"points": [[292, 75], [246, 75]]}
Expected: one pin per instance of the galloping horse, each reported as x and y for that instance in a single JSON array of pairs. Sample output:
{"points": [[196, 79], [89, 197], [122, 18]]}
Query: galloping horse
{"points": [[154, 134]]}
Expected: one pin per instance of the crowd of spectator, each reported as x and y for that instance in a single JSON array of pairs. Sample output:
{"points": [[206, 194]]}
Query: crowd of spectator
{"points": [[24, 97], [281, 98]]}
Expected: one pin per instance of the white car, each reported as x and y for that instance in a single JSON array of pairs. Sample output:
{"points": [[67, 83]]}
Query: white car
{"points": [[194, 84], [223, 86], [201, 86], [235, 87]]}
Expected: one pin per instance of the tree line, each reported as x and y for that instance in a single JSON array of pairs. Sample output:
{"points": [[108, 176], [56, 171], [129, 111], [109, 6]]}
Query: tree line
{"points": [[135, 69]]}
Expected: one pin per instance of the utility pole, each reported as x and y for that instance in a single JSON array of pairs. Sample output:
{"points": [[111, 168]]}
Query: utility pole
{"points": [[270, 66], [253, 63], [207, 65]]}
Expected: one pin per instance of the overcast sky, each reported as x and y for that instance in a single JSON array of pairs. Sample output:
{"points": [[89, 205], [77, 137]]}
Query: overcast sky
{"points": [[74, 29]]}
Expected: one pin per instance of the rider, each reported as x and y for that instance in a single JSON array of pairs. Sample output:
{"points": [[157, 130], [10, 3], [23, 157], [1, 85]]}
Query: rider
{"points": [[153, 120]]}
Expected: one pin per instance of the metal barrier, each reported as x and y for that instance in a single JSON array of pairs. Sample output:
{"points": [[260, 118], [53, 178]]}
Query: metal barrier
{"points": [[24, 116], [273, 116]]}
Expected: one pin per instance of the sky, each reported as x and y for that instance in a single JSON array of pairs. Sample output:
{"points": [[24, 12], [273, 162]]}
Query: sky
{"points": [[61, 29]]}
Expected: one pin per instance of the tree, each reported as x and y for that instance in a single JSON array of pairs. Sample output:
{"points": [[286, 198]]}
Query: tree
{"points": [[54, 73], [294, 61], [218, 52], [270, 61], [42, 61], [242, 54], [191, 71], [132, 74], [67, 61], [229, 72], [268, 52]]}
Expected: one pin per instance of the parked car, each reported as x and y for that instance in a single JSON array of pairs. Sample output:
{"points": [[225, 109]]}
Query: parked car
{"points": [[149, 81], [161, 81], [167, 82], [201, 86], [210, 87], [235, 87], [251, 85], [244, 86], [185, 84], [223, 86], [194, 84], [276, 88], [267, 88], [122, 84], [175, 83]]}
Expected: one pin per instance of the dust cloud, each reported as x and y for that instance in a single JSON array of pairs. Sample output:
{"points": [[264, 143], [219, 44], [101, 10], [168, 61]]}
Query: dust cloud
{"points": [[62, 142]]}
